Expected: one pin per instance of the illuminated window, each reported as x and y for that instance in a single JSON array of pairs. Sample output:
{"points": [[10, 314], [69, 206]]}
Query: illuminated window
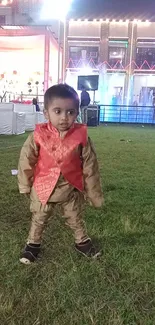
{"points": [[145, 57], [84, 53], [117, 56]]}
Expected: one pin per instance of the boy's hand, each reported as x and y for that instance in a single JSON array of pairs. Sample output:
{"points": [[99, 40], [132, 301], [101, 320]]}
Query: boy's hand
{"points": [[27, 195], [97, 202]]}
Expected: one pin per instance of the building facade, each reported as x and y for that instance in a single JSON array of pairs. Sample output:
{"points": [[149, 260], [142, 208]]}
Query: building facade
{"points": [[121, 52]]}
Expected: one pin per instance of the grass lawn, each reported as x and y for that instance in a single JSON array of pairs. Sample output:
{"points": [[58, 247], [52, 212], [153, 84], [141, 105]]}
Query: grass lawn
{"points": [[65, 288]]}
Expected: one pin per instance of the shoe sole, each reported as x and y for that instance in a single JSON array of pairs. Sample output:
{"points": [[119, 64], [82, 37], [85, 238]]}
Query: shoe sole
{"points": [[25, 261]]}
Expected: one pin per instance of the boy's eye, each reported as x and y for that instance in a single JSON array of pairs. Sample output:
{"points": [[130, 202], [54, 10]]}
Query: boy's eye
{"points": [[71, 112], [57, 111]]}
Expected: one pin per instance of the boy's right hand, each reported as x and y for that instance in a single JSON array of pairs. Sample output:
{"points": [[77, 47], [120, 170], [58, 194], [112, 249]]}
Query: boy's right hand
{"points": [[27, 195]]}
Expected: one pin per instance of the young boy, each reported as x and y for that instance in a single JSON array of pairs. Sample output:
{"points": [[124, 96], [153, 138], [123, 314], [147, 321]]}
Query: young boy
{"points": [[58, 165]]}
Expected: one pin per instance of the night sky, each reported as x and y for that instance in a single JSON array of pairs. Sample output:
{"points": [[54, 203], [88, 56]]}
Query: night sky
{"points": [[118, 9]]}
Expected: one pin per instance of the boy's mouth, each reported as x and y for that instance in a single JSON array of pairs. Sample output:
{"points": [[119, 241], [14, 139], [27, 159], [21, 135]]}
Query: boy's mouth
{"points": [[63, 125]]}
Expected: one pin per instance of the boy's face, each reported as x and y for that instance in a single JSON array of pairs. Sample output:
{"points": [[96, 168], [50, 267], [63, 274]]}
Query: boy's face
{"points": [[62, 113]]}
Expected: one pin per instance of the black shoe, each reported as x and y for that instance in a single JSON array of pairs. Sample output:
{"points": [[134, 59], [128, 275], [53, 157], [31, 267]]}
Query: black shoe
{"points": [[30, 253], [87, 249]]}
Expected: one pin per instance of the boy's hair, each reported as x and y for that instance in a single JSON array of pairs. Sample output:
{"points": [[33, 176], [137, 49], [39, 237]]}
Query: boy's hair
{"points": [[61, 91]]}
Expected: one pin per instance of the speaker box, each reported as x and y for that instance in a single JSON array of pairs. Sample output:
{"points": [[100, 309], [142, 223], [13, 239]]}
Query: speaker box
{"points": [[92, 116]]}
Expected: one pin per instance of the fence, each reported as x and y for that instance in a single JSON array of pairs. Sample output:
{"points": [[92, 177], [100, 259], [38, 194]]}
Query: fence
{"points": [[127, 114]]}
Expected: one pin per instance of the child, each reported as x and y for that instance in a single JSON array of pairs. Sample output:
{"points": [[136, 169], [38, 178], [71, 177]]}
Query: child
{"points": [[58, 165]]}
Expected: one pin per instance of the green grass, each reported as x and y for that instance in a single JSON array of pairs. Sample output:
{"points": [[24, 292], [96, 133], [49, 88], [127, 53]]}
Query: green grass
{"points": [[64, 288]]}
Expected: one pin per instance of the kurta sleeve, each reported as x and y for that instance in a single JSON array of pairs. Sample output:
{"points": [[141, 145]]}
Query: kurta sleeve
{"points": [[92, 183], [27, 161]]}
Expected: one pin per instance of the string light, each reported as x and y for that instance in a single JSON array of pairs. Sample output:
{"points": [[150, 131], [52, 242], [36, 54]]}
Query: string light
{"points": [[113, 21]]}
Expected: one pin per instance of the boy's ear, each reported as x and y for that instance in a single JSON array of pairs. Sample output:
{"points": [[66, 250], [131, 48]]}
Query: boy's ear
{"points": [[46, 114]]}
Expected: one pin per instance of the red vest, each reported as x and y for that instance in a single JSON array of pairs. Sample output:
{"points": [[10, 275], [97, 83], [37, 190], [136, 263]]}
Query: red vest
{"points": [[57, 156]]}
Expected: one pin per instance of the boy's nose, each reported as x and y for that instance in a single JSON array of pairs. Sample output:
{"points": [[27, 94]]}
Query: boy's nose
{"points": [[64, 116]]}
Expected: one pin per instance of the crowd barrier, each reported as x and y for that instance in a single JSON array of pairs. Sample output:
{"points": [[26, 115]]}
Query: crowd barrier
{"points": [[127, 114]]}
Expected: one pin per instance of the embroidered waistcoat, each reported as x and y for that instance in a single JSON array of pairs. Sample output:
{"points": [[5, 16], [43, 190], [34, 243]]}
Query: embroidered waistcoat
{"points": [[58, 156]]}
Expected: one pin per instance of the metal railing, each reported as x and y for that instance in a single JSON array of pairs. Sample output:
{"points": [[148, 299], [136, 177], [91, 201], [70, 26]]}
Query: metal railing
{"points": [[127, 114]]}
